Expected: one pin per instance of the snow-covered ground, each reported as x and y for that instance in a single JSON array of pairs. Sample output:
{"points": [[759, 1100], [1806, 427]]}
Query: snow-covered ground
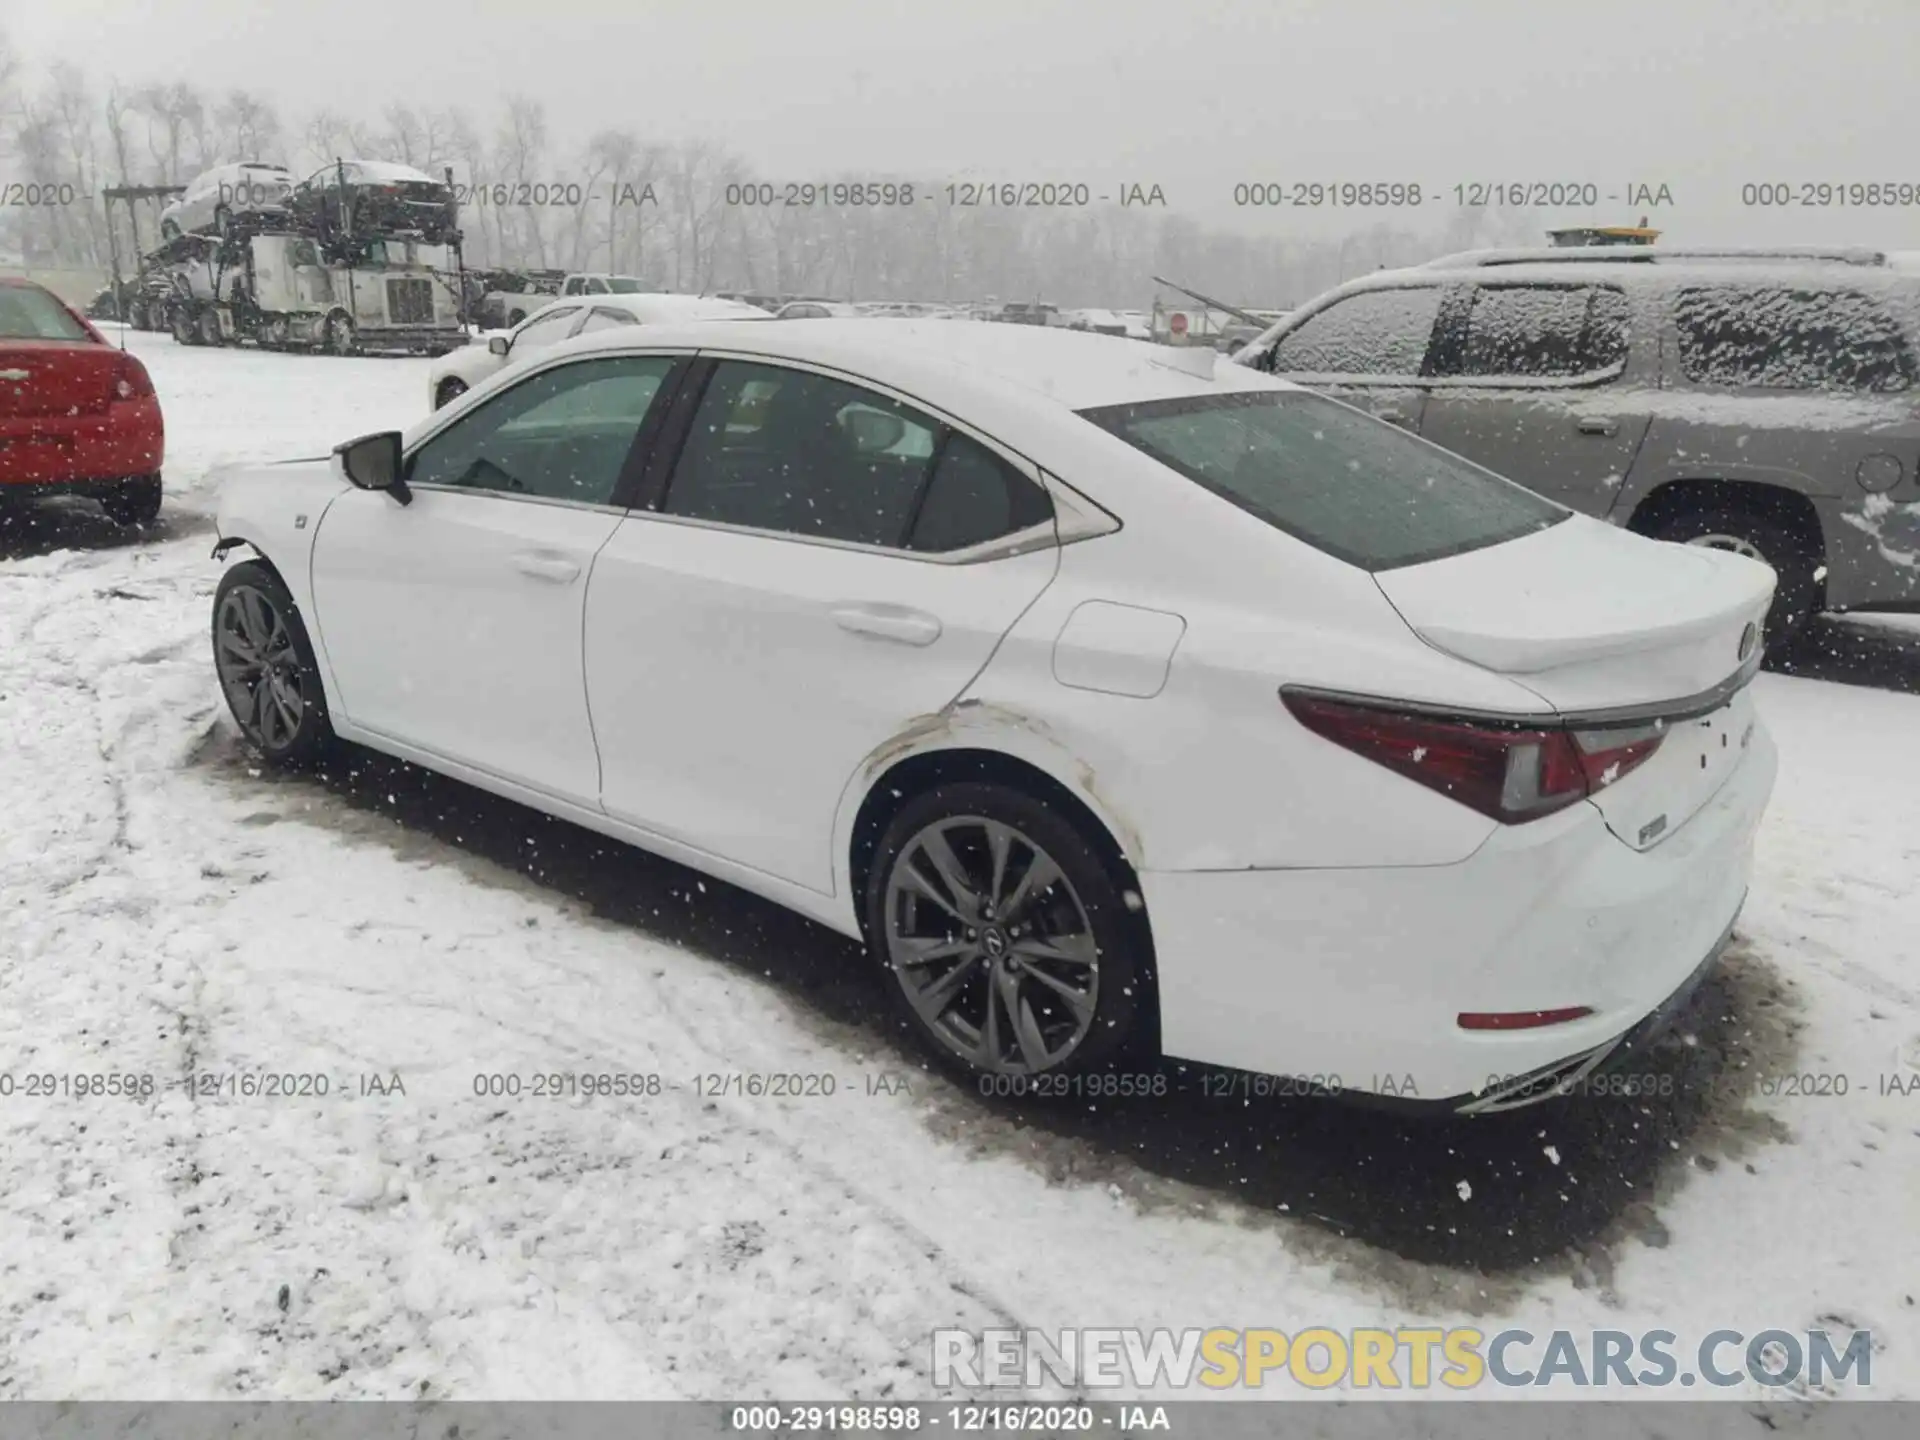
{"points": [[167, 909]]}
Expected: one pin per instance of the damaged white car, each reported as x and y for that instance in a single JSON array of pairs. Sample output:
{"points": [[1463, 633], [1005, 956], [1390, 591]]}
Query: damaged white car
{"points": [[1123, 706]]}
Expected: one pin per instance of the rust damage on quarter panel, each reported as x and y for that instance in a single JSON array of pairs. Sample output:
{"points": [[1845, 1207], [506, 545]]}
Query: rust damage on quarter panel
{"points": [[964, 715]]}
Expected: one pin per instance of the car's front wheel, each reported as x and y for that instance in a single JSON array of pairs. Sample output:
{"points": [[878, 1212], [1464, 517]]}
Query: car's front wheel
{"points": [[450, 390], [1009, 946], [266, 666], [1758, 536], [339, 335]]}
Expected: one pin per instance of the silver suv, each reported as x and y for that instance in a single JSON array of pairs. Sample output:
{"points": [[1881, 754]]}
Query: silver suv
{"points": [[1760, 401]]}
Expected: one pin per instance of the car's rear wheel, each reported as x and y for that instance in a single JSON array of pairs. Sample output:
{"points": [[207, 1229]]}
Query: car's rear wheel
{"points": [[266, 666], [449, 391], [210, 332], [185, 331], [133, 502], [1008, 944], [1759, 536]]}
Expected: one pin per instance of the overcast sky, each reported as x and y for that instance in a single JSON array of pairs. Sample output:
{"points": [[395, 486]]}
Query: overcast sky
{"points": [[1192, 95]]}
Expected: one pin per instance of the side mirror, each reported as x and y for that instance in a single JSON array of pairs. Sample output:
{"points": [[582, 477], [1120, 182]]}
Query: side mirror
{"points": [[373, 463], [498, 345]]}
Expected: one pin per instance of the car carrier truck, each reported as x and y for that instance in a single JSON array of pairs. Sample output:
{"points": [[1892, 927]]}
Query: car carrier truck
{"points": [[275, 289]]}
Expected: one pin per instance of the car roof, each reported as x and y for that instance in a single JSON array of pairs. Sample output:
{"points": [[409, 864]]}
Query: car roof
{"points": [[950, 363], [660, 307], [1842, 266]]}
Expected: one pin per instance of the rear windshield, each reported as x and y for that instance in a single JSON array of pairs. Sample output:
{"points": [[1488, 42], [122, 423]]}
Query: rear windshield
{"points": [[27, 314], [1342, 481]]}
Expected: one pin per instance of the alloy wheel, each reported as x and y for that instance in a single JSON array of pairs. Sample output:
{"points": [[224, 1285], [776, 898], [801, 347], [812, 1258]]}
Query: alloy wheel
{"points": [[992, 946], [259, 668]]}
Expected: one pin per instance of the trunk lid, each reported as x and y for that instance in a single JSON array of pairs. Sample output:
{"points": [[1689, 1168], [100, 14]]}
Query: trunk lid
{"points": [[1595, 620], [44, 379]]}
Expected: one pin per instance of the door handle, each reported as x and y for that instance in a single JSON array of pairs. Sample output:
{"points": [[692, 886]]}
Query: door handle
{"points": [[889, 622], [1599, 427], [554, 568]]}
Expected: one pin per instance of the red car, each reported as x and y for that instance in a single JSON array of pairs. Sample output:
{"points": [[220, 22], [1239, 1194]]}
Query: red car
{"points": [[77, 415]]}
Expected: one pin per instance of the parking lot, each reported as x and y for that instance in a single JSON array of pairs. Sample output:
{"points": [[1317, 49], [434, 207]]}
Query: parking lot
{"points": [[424, 1228]]}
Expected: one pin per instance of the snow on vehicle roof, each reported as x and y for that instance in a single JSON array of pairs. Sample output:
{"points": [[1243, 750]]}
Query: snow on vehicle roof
{"points": [[655, 307], [391, 173], [1069, 368], [215, 174]]}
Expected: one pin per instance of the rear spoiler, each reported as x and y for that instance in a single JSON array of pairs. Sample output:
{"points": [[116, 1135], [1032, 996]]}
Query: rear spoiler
{"points": [[1671, 712]]}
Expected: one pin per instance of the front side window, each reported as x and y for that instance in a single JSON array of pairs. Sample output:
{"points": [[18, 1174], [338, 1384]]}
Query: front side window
{"points": [[1540, 332], [625, 286], [1376, 332], [1776, 338], [605, 319], [546, 328], [1361, 490], [804, 454], [563, 434]]}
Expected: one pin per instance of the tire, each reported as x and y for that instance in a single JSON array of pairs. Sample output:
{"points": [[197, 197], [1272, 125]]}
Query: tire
{"points": [[339, 337], [266, 668], [185, 331], [1079, 912], [1797, 595], [449, 391], [134, 502], [210, 331], [515, 318]]}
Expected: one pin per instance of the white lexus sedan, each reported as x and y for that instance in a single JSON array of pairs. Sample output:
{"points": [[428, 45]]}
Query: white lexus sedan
{"points": [[1124, 706], [458, 371]]}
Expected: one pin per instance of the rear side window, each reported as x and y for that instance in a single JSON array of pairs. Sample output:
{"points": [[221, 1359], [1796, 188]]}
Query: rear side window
{"points": [[1355, 487], [803, 454], [1540, 332], [30, 314], [1377, 332], [975, 497], [1781, 339]]}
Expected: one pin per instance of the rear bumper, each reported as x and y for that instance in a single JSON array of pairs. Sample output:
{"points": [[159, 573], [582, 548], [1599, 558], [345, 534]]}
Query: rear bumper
{"points": [[1354, 979], [60, 451]]}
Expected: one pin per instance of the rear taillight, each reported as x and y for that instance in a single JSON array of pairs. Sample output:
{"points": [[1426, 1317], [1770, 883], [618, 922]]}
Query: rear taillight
{"points": [[130, 379], [1508, 773]]}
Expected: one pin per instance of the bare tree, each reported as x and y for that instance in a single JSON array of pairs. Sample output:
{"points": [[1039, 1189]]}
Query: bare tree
{"points": [[696, 182], [522, 149], [174, 112], [247, 127]]}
